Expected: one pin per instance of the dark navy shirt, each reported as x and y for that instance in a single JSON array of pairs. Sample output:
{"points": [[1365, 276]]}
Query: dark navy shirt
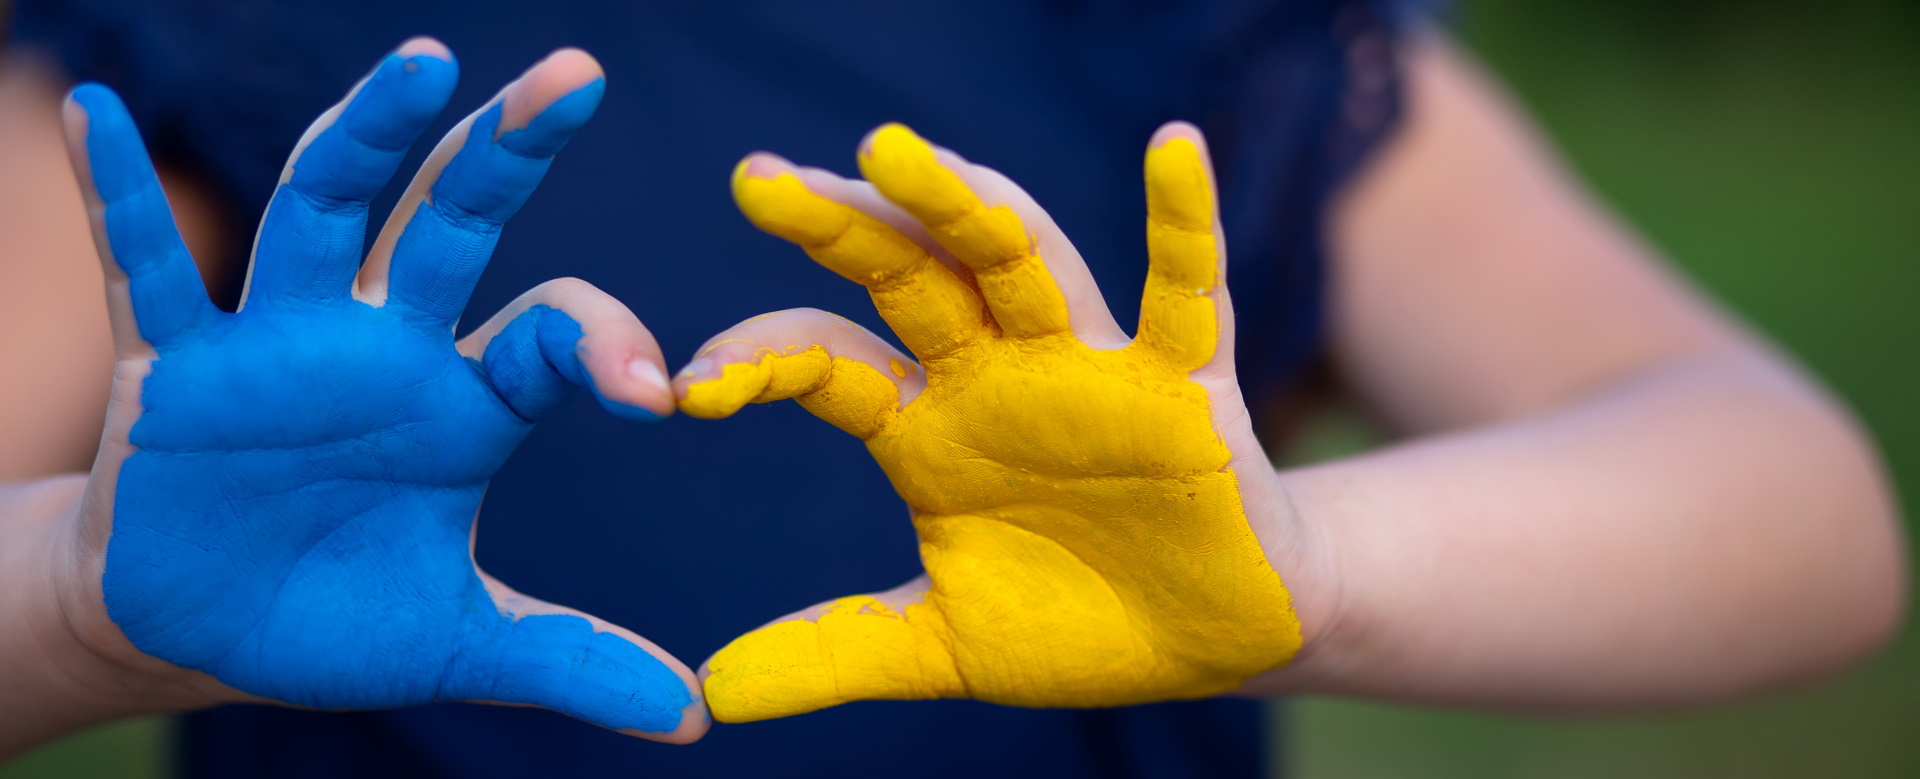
{"points": [[692, 532]]}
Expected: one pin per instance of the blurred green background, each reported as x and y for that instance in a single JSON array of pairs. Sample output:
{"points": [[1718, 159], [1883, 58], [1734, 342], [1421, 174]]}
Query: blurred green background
{"points": [[1773, 149]]}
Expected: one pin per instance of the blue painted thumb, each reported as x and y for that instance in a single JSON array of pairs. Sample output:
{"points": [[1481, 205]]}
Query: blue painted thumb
{"points": [[534, 365], [560, 662]]}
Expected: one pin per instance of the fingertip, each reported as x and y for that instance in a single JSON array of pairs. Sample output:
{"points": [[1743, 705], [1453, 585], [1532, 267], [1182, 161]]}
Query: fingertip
{"points": [[648, 374], [83, 104], [645, 395], [1179, 181], [765, 166], [888, 136], [424, 46], [701, 369], [540, 111], [108, 152], [388, 109], [562, 73], [772, 195], [1177, 129], [722, 380], [92, 96], [695, 721], [569, 67]]}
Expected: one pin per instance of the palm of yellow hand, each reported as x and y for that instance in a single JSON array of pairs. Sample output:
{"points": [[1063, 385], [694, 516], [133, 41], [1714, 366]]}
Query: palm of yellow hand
{"points": [[1084, 538], [1085, 542]]}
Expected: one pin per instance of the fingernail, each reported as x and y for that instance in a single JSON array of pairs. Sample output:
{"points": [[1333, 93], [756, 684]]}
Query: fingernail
{"points": [[647, 372], [423, 46], [699, 367]]}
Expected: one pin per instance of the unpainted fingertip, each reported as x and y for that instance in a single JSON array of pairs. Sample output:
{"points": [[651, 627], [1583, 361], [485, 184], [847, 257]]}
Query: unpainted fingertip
{"points": [[567, 75], [760, 165], [565, 70], [647, 373], [424, 46], [1174, 129], [699, 370]]}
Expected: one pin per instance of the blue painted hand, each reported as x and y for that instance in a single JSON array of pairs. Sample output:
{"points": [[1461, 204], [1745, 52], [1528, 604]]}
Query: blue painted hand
{"points": [[286, 494]]}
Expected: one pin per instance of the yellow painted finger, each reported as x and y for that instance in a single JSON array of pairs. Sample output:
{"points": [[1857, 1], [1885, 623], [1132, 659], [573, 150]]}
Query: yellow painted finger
{"points": [[1179, 321], [931, 308], [858, 650], [847, 393], [990, 240]]}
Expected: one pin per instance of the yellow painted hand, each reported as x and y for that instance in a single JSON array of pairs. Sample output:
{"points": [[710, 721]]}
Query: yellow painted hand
{"points": [[1085, 536]]}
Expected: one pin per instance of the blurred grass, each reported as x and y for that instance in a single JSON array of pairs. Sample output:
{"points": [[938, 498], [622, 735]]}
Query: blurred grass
{"points": [[135, 749], [1773, 150]]}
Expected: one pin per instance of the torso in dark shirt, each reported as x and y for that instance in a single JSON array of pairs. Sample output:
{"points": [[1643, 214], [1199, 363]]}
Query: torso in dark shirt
{"points": [[692, 532]]}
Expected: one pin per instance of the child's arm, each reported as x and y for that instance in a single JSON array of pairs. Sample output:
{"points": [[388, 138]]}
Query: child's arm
{"points": [[283, 502], [1617, 498], [1624, 501]]}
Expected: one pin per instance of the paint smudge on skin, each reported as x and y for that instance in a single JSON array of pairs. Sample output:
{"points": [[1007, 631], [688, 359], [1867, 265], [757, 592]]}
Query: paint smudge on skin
{"points": [[1083, 533]]}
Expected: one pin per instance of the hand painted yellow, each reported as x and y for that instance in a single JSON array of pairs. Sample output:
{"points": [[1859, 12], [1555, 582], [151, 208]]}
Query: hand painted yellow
{"points": [[1084, 537]]}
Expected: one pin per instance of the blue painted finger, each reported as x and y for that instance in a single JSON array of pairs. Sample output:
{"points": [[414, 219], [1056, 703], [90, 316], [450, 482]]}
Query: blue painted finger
{"points": [[534, 365], [313, 235], [559, 662], [450, 237], [164, 285]]}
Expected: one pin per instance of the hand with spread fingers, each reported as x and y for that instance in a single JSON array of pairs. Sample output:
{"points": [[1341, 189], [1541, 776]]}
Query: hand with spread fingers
{"points": [[285, 497], [1083, 500]]}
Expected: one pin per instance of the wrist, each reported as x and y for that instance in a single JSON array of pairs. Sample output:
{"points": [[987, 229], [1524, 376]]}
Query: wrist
{"points": [[68, 666], [1305, 554]]}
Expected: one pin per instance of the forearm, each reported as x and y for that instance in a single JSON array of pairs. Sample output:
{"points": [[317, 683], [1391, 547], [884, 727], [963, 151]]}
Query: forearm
{"points": [[55, 678], [1703, 529], [44, 691]]}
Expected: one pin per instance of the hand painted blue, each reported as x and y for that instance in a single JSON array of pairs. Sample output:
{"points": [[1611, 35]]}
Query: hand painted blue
{"points": [[297, 515], [534, 363]]}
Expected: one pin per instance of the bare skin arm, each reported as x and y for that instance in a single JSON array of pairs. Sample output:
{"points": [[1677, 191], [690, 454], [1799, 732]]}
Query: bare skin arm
{"points": [[1611, 497]]}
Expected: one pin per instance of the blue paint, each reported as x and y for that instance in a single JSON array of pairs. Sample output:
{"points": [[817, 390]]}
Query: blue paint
{"points": [[534, 364], [439, 258], [314, 230], [296, 519]]}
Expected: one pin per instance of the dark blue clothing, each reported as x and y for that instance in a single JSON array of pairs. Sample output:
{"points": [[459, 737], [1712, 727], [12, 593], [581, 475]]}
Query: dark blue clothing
{"points": [[692, 532]]}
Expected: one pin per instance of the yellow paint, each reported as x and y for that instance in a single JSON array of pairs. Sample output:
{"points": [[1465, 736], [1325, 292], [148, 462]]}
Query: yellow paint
{"points": [[898, 369], [1083, 534], [847, 393]]}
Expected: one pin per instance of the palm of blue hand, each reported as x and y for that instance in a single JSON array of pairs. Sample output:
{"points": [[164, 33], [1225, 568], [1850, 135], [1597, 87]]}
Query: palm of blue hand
{"points": [[296, 518]]}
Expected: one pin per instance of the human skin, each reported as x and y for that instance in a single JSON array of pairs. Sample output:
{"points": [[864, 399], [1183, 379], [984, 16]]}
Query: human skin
{"points": [[1532, 356], [283, 502], [1579, 523]]}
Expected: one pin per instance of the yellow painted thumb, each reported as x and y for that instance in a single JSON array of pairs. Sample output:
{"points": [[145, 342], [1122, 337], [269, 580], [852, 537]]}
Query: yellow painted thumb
{"points": [[858, 650]]}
